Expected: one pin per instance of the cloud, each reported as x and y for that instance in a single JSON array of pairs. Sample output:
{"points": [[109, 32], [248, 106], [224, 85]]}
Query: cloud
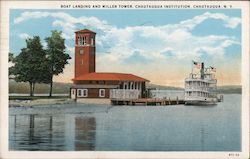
{"points": [[161, 44], [29, 15], [171, 32], [24, 36], [64, 20], [151, 42], [229, 22]]}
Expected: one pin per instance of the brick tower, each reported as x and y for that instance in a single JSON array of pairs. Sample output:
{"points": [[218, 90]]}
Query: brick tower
{"points": [[84, 52]]}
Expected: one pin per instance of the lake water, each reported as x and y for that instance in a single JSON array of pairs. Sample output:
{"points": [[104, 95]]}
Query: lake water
{"points": [[79, 127]]}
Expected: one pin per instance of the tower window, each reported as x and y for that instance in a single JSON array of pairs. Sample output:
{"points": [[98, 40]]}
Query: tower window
{"points": [[81, 40], [81, 51], [84, 40], [78, 40], [92, 41]]}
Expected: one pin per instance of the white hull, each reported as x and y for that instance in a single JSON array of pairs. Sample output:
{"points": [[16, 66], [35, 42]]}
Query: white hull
{"points": [[200, 101]]}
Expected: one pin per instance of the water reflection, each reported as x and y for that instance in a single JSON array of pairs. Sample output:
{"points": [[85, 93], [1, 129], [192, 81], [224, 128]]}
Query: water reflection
{"points": [[34, 130], [31, 129], [46, 133], [85, 133], [81, 128]]}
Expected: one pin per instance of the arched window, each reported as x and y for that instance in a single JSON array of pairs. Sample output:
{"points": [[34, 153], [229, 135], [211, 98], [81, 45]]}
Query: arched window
{"points": [[81, 40], [78, 40], [92, 41], [84, 40]]}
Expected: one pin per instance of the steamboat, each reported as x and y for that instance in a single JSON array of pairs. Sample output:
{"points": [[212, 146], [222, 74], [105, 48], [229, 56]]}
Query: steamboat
{"points": [[201, 87]]}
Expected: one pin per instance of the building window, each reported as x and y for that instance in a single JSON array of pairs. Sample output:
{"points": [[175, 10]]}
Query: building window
{"points": [[79, 93], [85, 92], [131, 85], [125, 84], [81, 51], [82, 93], [101, 92]]}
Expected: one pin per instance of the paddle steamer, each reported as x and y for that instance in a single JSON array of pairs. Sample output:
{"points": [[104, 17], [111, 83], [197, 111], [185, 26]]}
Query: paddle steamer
{"points": [[201, 87]]}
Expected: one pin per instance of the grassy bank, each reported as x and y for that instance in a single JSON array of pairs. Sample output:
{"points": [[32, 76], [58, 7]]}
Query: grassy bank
{"points": [[36, 97], [236, 89], [23, 88], [229, 89]]}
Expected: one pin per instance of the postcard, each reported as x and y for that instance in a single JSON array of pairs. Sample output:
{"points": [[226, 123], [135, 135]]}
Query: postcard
{"points": [[124, 79]]}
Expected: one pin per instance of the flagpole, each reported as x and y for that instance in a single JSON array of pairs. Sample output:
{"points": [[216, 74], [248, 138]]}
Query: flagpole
{"points": [[192, 67]]}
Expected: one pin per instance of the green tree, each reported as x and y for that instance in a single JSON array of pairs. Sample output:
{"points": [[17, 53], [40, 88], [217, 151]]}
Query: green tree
{"points": [[11, 57], [31, 64], [56, 55]]}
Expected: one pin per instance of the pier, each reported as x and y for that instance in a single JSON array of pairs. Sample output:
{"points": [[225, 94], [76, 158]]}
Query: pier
{"points": [[147, 101]]}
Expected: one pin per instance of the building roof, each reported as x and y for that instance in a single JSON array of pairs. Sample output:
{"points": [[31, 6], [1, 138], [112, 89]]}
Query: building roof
{"points": [[94, 86], [109, 77], [85, 31]]}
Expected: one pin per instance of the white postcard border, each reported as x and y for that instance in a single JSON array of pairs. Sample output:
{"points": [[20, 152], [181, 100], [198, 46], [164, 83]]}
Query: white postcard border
{"points": [[5, 153]]}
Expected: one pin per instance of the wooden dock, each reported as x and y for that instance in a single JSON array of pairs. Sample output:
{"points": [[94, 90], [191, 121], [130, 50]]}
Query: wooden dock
{"points": [[147, 101]]}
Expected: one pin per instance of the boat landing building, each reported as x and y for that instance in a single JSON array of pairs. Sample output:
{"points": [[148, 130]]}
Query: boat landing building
{"points": [[89, 84]]}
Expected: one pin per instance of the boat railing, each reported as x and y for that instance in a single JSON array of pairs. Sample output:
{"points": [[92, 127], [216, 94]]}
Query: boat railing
{"points": [[208, 76], [124, 94], [199, 88]]}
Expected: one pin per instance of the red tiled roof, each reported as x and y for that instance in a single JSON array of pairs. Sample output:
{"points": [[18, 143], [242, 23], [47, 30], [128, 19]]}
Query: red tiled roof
{"points": [[109, 77], [85, 31]]}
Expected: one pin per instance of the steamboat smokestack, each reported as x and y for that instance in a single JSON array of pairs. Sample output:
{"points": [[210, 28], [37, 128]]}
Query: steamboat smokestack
{"points": [[202, 70]]}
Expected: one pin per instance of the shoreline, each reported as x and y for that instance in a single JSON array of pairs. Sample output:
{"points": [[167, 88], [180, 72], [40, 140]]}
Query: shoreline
{"points": [[57, 101], [39, 102]]}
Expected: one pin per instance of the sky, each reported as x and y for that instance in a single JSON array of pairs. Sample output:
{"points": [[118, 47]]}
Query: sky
{"points": [[157, 44]]}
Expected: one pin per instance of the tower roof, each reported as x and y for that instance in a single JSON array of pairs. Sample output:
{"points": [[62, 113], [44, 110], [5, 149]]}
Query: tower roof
{"points": [[85, 31]]}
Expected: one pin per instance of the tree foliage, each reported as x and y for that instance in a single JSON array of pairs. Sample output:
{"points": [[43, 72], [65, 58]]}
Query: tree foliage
{"points": [[31, 64], [36, 65], [11, 57], [56, 55]]}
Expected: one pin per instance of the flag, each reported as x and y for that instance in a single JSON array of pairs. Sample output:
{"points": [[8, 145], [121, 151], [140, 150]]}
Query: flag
{"points": [[197, 64], [213, 69]]}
